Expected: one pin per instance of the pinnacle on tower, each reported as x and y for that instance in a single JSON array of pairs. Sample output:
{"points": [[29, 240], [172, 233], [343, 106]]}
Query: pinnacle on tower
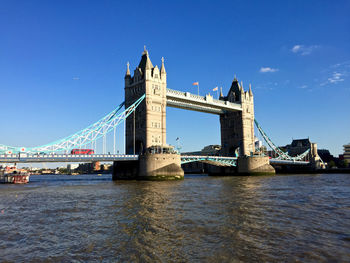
{"points": [[250, 90], [241, 87], [162, 68], [221, 94], [144, 50], [127, 74]]}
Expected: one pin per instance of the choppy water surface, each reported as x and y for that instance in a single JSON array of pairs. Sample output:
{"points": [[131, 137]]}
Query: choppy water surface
{"points": [[201, 219]]}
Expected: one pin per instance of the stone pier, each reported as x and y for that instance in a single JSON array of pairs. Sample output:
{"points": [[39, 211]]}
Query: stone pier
{"points": [[255, 165], [160, 167], [154, 167]]}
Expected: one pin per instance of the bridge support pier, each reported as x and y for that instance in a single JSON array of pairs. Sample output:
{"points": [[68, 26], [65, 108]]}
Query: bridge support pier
{"points": [[255, 165], [154, 167], [125, 170], [160, 166]]}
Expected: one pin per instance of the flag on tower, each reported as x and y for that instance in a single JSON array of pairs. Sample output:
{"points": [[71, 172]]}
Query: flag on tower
{"points": [[195, 83], [215, 89]]}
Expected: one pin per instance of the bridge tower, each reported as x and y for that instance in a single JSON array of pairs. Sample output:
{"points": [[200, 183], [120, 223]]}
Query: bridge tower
{"points": [[146, 127], [150, 117], [237, 128], [237, 132]]}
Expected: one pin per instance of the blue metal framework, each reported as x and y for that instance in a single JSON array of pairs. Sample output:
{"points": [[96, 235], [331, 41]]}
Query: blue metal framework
{"points": [[84, 137], [281, 154]]}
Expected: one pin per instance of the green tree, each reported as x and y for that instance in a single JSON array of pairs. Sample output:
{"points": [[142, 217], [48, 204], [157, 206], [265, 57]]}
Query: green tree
{"points": [[331, 164], [63, 170], [343, 164]]}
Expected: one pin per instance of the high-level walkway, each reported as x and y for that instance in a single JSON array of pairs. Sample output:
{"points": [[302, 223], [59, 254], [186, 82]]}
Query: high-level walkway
{"points": [[207, 104]]}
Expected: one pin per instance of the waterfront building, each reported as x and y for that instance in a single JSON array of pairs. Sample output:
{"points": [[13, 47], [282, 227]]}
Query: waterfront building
{"points": [[213, 149], [200, 167], [72, 166], [347, 152]]}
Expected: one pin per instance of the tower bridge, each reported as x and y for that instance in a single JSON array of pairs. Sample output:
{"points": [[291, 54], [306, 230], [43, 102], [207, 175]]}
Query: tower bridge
{"points": [[147, 154], [147, 127]]}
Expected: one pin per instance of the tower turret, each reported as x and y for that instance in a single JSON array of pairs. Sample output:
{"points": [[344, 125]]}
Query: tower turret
{"points": [[127, 77], [162, 71], [221, 94]]}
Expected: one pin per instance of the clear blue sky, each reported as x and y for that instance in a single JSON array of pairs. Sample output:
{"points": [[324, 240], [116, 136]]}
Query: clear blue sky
{"points": [[62, 64]]}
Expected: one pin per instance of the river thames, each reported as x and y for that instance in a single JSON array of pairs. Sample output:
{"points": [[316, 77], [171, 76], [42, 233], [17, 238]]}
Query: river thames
{"points": [[285, 218]]}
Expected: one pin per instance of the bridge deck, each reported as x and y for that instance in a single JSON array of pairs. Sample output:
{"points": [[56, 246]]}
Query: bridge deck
{"points": [[60, 158], [207, 104], [71, 158]]}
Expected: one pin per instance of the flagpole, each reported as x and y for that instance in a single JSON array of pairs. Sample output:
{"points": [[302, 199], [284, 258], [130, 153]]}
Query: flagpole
{"points": [[217, 90], [196, 84]]}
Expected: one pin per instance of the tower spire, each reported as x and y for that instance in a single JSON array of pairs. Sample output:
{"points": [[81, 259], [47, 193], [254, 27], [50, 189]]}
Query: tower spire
{"points": [[145, 62], [250, 90], [127, 69], [144, 50], [162, 69]]}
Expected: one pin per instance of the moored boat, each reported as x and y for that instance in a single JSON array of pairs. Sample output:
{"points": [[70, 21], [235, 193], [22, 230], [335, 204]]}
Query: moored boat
{"points": [[14, 178]]}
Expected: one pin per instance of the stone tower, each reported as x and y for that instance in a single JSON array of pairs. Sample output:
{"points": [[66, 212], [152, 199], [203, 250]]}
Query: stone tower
{"points": [[237, 128], [150, 117]]}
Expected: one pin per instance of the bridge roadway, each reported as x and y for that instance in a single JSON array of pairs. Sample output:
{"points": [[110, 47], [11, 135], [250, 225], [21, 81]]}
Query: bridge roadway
{"points": [[71, 158], [207, 104], [61, 158]]}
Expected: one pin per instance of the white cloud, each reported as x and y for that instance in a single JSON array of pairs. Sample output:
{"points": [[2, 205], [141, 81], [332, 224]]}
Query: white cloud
{"points": [[304, 50], [336, 77], [267, 69], [296, 48], [75, 78], [342, 66], [303, 87]]}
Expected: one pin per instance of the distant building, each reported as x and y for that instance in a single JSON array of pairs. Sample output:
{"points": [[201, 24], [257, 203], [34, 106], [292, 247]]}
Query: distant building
{"points": [[97, 166], [325, 155], [258, 143], [199, 167], [347, 152], [213, 149], [72, 166], [298, 146]]}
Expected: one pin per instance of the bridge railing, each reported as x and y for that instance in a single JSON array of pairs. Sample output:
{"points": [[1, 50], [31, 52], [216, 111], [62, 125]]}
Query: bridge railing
{"points": [[43, 156]]}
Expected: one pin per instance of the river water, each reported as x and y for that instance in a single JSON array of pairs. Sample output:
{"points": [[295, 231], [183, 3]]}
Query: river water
{"points": [[86, 218]]}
